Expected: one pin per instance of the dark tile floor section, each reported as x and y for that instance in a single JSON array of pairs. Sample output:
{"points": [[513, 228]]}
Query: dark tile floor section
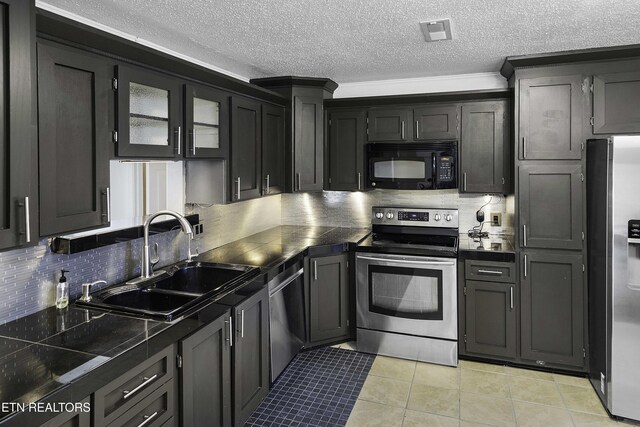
{"points": [[319, 388]]}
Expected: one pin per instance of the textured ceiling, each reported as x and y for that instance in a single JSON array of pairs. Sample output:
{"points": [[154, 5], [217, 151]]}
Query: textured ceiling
{"points": [[358, 40]]}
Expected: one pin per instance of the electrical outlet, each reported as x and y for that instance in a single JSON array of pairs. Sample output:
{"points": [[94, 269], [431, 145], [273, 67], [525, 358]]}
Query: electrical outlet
{"points": [[496, 219], [198, 229]]}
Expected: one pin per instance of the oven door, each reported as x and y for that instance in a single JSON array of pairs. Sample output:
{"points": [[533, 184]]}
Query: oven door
{"points": [[405, 294]]}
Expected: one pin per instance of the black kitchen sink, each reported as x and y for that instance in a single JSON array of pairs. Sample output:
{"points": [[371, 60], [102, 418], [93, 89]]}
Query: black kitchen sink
{"points": [[173, 293]]}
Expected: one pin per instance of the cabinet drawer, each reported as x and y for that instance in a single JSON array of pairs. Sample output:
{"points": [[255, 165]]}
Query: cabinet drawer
{"points": [[122, 394], [154, 410], [490, 271]]}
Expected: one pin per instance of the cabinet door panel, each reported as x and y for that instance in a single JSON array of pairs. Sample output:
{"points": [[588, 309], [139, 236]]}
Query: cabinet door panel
{"points": [[72, 419], [251, 355], [246, 151], [437, 122], [550, 205], [206, 123], [73, 103], [328, 290], [551, 118], [490, 319], [615, 103], [273, 155], [389, 124], [308, 147], [206, 376], [346, 150], [482, 148], [552, 304]]}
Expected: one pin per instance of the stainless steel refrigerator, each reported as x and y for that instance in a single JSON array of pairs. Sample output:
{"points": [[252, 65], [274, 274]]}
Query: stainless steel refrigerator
{"points": [[613, 245]]}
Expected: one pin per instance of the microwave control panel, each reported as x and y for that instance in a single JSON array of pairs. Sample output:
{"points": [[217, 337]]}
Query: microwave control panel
{"points": [[446, 169]]}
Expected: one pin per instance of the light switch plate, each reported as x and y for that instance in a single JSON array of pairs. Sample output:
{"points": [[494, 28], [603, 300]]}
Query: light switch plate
{"points": [[496, 219]]}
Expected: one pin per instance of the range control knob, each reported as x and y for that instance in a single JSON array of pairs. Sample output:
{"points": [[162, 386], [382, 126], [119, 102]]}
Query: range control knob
{"points": [[437, 217], [379, 215], [448, 217], [389, 215]]}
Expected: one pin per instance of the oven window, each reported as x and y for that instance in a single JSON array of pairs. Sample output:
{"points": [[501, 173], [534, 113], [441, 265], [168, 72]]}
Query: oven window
{"points": [[405, 292], [399, 169]]}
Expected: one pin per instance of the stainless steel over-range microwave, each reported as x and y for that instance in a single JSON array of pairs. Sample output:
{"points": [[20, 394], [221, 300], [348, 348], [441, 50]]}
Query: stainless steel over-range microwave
{"points": [[412, 166]]}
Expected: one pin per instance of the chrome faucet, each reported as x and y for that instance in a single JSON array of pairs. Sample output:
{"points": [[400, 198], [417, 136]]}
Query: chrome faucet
{"points": [[147, 271]]}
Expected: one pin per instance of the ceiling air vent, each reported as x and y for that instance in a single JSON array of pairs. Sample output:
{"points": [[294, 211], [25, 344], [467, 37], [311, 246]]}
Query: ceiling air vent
{"points": [[435, 31]]}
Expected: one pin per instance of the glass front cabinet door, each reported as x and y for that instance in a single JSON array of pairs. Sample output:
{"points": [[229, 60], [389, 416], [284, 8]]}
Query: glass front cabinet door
{"points": [[206, 123], [148, 114]]}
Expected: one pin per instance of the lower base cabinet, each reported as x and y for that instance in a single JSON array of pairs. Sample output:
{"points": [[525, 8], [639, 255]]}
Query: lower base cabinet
{"points": [[71, 419], [327, 290], [206, 375]]}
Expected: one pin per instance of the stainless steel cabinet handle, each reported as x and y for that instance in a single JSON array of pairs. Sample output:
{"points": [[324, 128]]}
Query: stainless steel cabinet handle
{"points": [[267, 179], [359, 181], [417, 131], [27, 219], [299, 181], [498, 273], [147, 381], [524, 235], [230, 339], [241, 323], [524, 147], [179, 139], [108, 204], [402, 130], [525, 266], [238, 194], [511, 295], [315, 270], [464, 181], [194, 142], [147, 419]]}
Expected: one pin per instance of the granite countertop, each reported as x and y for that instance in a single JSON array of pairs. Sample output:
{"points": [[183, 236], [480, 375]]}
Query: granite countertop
{"points": [[43, 354]]}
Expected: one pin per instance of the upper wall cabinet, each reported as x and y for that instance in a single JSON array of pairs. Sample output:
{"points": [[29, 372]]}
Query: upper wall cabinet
{"points": [[74, 89], [615, 103], [550, 111], [308, 143], [18, 157], [346, 150], [206, 122], [246, 149], [436, 122], [389, 124], [273, 152], [484, 148], [148, 114]]}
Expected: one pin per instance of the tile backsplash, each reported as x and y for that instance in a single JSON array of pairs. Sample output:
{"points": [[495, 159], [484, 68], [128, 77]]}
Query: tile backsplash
{"points": [[348, 209], [28, 277]]}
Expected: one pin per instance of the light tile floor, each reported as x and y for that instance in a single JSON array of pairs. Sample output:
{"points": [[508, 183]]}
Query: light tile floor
{"points": [[413, 394]]}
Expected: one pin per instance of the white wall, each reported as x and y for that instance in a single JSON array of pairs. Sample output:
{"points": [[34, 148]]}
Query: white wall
{"points": [[453, 83]]}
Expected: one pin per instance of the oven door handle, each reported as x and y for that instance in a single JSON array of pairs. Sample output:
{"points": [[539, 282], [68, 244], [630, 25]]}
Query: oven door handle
{"points": [[406, 261]]}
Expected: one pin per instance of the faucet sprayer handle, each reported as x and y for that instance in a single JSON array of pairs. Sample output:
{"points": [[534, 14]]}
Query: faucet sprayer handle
{"points": [[156, 258]]}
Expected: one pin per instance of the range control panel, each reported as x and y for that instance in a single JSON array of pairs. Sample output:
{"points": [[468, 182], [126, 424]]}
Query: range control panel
{"points": [[634, 229], [415, 217]]}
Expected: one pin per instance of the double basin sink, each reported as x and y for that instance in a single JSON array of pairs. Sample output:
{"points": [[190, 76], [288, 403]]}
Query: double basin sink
{"points": [[170, 295]]}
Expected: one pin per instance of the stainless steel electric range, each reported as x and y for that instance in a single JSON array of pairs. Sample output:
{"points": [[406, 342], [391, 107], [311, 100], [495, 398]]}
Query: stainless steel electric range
{"points": [[406, 285]]}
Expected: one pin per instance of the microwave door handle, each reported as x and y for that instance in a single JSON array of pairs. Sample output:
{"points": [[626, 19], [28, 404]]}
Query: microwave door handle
{"points": [[434, 170]]}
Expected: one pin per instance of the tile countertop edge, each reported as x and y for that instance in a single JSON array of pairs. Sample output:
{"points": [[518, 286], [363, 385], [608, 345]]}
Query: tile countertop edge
{"points": [[333, 240]]}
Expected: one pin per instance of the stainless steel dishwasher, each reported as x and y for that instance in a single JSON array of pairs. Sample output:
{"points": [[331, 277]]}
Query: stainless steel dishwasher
{"points": [[286, 317]]}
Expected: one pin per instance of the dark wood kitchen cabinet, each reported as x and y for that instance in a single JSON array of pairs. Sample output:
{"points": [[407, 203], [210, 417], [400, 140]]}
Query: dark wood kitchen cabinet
{"points": [[436, 122], [71, 419], [250, 355], [389, 124], [550, 118], [615, 103], [206, 123], [308, 143], [148, 114], [484, 148], [246, 149], [327, 285], [273, 149], [490, 319], [550, 205], [346, 150], [552, 307], [74, 89], [206, 375], [18, 149]]}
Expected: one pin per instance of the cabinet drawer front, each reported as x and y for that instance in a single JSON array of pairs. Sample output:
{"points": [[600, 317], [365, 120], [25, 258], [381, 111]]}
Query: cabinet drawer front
{"points": [[490, 271], [123, 393], [154, 410]]}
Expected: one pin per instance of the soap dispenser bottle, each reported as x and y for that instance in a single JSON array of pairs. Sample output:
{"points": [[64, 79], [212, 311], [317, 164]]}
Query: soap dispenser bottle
{"points": [[62, 291]]}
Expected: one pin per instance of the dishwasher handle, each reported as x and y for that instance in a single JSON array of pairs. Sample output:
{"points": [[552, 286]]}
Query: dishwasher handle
{"points": [[286, 282]]}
